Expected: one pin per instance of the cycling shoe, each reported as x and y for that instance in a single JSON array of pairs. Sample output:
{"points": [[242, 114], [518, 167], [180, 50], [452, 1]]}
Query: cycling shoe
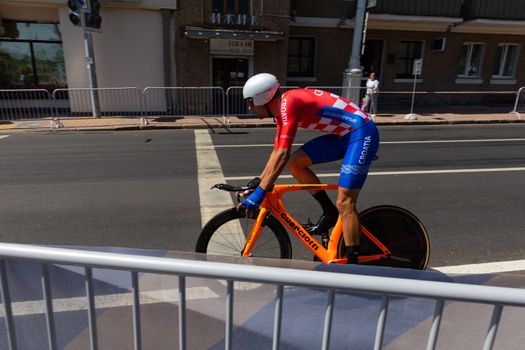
{"points": [[325, 222]]}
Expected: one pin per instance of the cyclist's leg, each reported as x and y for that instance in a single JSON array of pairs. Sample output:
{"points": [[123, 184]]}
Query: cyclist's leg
{"points": [[346, 204], [362, 146], [322, 149]]}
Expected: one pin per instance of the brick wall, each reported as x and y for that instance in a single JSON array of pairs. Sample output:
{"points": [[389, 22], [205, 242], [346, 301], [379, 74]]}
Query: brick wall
{"points": [[193, 59], [440, 68]]}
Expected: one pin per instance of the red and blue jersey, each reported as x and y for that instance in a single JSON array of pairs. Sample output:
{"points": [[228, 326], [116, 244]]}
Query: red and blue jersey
{"points": [[316, 110]]}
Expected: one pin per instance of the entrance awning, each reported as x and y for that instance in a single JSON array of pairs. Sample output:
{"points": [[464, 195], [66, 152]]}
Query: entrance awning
{"points": [[492, 26], [206, 33]]}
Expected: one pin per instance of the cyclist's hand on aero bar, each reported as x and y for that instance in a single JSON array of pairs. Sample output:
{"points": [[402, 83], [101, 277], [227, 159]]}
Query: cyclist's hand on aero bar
{"points": [[252, 202], [251, 185]]}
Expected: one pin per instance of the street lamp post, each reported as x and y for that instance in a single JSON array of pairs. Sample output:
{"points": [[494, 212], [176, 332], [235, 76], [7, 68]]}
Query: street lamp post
{"points": [[352, 75]]}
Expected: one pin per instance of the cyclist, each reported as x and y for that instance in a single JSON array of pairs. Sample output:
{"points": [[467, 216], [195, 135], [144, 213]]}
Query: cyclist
{"points": [[352, 136]]}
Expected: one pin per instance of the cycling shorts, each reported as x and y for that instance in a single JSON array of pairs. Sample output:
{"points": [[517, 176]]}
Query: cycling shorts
{"points": [[357, 149]]}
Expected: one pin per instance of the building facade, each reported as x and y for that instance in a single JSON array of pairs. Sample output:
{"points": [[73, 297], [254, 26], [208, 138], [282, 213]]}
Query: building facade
{"points": [[464, 44]]}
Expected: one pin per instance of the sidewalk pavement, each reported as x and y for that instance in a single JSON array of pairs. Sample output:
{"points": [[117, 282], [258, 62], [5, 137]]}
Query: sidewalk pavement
{"points": [[192, 122]]}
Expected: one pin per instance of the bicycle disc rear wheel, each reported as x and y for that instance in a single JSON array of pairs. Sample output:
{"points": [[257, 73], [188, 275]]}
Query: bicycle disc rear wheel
{"points": [[401, 232], [226, 232]]}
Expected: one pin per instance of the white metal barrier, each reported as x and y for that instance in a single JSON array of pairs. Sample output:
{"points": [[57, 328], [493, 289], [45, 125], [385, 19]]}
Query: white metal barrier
{"points": [[519, 105], [235, 101], [162, 102], [113, 102], [339, 90], [25, 104], [183, 101], [441, 292]]}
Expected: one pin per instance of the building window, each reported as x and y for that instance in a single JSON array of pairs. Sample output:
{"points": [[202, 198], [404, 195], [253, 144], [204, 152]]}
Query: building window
{"points": [[301, 53], [505, 64], [408, 52], [470, 60], [232, 6], [232, 13], [31, 55]]}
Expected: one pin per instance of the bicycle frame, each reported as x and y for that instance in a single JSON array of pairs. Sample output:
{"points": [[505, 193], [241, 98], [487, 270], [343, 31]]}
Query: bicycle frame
{"points": [[273, 204]]}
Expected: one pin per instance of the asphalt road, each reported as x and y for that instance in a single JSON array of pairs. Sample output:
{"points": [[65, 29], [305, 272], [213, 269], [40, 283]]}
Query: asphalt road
{"points": [[141, 188]]}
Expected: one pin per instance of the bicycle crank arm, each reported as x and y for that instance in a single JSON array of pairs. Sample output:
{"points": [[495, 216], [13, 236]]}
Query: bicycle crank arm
{"points": [[399, 258]]}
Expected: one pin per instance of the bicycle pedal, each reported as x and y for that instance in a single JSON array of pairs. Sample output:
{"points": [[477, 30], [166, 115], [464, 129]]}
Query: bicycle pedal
{"points": [[311, 228]]}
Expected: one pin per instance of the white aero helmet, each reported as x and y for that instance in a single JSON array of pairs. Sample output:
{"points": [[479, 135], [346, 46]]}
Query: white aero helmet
{"points": [[261, 88]]}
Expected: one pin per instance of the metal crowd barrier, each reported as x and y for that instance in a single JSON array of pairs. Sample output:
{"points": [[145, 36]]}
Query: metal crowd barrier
{"points": [[113, 102], [235, 102], [25, 104], [339, 90], [162, 102], [519, 105], [388, 287], [183, 101], [468, 102]]}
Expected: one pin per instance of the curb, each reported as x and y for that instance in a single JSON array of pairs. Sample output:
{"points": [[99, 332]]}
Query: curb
{"points": [[244, 125]]}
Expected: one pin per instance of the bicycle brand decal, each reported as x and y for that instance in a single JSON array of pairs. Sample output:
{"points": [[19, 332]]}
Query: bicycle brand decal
{"points": [[300, 232], [313, 188]]}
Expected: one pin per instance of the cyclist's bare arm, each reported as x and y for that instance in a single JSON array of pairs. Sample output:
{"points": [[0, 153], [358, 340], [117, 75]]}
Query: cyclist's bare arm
{"points": [[271, 172], [274, 167]]}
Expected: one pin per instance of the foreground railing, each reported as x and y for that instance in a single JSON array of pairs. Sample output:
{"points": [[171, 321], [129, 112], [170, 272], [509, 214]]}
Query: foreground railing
{"points": [[329, 282]]}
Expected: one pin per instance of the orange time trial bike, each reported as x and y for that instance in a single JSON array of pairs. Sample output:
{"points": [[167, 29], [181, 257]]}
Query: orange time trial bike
{"points": [[390, 235]]}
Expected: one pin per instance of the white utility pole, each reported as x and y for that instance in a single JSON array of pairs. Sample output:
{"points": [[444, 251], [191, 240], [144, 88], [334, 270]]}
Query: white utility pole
{"points": [[352, 75]]}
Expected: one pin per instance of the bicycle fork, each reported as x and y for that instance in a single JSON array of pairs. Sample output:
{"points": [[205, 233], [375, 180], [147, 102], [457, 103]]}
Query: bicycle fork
{"points": [[255, 232]]}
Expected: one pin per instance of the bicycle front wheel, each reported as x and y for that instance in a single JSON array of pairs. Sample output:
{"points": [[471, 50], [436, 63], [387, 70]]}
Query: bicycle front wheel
{"points": [[400, 231], [226, 233]]}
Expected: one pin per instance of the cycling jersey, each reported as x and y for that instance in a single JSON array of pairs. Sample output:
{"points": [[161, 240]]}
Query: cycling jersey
{"points": [[352, 136], [316, 110]]}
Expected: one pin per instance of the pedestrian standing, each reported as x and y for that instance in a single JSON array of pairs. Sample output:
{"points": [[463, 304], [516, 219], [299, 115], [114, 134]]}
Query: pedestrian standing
{"points": [[370, 100]]}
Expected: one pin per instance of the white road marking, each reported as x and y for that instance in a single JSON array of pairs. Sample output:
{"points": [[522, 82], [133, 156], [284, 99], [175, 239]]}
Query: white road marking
{"points": [[214, 201], [389, 142], [209, 173], [493, 267], [407, 172], [4, 136], [35, 307]]}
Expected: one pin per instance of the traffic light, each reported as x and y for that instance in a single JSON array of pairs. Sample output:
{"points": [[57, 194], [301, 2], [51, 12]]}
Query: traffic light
{"points": [[93, 19], [75, 11]]}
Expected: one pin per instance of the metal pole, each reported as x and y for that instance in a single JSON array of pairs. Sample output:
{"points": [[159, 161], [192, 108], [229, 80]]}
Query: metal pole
{"points": [[355, 61], [411, 115], [182, 313], [48, 300], [92, 315], [8, 312], [436, 322], [135, 293], [413, 95], [277, 317], [229, 316], [352, 75], [494, 323], [92, 73], [329, 312], [381, 322]]}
